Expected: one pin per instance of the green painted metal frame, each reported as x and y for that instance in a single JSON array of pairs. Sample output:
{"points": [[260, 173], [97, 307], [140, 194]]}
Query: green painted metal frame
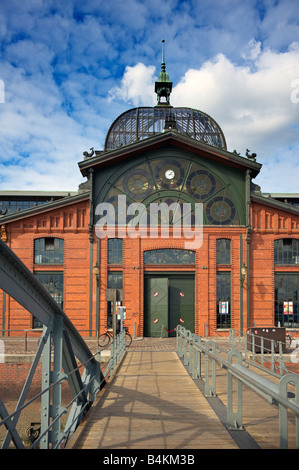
{"points": [[60, 347]]}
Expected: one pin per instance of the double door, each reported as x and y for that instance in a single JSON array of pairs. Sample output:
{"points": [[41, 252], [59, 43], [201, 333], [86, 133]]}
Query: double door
{"points": [[168, 301]]}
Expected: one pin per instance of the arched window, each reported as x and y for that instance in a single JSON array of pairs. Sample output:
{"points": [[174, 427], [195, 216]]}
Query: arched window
{"points": [[169, 256], [115, 251], [171, 180], [223, 255], [48, 250], [286, 251]]}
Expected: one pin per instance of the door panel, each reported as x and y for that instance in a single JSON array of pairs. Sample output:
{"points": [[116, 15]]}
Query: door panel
{"points": [[155, 305], [168, 301], [181, 303]]}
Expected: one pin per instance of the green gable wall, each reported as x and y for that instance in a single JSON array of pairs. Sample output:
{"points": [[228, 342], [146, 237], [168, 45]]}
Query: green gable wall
{"points": [[212, 183]]}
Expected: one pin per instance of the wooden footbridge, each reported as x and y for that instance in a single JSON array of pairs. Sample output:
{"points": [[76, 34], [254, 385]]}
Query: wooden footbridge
{"points": [[153, 402]]}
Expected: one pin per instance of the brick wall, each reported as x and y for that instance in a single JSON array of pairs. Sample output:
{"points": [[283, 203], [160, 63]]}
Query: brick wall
{"points": [[268, 224], [71, 225]]}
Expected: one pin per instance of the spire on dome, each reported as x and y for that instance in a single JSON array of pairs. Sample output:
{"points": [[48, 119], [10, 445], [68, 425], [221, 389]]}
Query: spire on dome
{"points": [[163, 85]]}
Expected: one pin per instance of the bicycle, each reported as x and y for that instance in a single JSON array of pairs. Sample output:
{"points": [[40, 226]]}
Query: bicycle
{"points": [[33, 431], [105, 338], [289, 340]]}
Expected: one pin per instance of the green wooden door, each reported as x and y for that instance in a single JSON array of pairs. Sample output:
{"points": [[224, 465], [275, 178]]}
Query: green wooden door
{"points": [[155, 305], [168, 302], [181, 303]]}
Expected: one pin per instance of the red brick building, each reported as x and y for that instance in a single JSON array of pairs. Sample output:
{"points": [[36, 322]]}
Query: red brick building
{"points": [[236, 265]]}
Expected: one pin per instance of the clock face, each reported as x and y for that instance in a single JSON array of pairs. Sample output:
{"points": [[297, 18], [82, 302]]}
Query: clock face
{"points": [[169, 174]]}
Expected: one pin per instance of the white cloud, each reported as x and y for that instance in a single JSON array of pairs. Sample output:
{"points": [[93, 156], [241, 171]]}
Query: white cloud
{"points": [[252, 51], [253, 106], [136, 86], [251, 103]]}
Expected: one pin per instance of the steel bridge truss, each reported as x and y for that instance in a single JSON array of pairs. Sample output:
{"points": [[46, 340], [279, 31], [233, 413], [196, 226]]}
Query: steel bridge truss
{"points": [[60, 347]]}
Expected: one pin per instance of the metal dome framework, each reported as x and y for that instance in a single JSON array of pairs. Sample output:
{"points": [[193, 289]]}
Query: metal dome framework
{"points": [[144, 122]]}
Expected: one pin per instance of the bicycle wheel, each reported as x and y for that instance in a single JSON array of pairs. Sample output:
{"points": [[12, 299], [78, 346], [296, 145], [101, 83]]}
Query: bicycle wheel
{"points": [[104, 340], [288, 342], [128, 339], [33, 433]]}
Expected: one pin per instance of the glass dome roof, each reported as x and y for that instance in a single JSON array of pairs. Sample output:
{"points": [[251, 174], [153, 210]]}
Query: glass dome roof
{"points": [[144, 122]]}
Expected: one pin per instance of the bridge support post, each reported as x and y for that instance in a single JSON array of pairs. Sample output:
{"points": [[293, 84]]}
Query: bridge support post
{"points": [[45, 400], [210, 387], [51, 408], [234, 418]]}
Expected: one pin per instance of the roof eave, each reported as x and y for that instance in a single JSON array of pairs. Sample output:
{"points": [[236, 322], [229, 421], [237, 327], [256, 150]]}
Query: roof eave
{"points": [[161, 139], [32, 211], [269, 201]]}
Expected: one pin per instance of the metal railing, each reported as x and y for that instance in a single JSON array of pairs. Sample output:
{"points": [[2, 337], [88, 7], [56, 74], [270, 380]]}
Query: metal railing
{"points": [[264, 353], [191, 348], [50, 434], [261, 352], [60, 350]]}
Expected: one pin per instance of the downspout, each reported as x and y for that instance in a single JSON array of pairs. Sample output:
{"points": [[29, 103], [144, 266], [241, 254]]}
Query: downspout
{"points": [[3, 312], [3, 237], [90, 227], [248, 236], [241, 285]]}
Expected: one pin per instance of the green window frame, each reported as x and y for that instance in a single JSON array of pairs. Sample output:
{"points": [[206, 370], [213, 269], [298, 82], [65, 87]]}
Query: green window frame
{"points": [[223, 295], [52, 281], [287, 300], [286, 251], [48, 250], [169, 256], [115, 251], [114, 281], [223, 251]]}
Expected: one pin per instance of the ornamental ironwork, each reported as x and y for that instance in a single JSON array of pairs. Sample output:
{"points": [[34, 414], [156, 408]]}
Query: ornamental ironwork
{"points": [[144, 122]]}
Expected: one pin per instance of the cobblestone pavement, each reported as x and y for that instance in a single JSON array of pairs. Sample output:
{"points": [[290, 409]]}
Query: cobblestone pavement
{"points": [[20, 347]]}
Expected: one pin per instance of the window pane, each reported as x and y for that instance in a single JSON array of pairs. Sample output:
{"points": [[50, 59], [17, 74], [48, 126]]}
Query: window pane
{"points": [[286, 300], [115, 280], [53, 283], [223, 251], [169, 256], [115, 251], [223, 300], [48, 251], [286, 251]]}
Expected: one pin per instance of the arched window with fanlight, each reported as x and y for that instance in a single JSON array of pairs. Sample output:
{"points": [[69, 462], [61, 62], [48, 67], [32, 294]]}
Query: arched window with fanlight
{"points": [[167, 180], [169, 256]]}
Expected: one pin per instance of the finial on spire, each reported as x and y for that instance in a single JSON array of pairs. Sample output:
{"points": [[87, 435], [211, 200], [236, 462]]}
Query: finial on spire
{"points": [[163, 54], [163, 85]]}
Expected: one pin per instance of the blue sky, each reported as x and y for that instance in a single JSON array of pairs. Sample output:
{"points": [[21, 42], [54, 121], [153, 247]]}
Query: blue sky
{"points": [[69, 68]]}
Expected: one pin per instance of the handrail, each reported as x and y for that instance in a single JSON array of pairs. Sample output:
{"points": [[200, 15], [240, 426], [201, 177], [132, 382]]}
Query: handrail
{"points": [[107, 370], [256, 345], [190, 347], [36, 333], [68, 346]]}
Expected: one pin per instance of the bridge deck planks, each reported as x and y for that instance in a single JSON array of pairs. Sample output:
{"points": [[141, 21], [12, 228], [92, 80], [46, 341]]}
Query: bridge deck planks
{"points": [[153, 403]]}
